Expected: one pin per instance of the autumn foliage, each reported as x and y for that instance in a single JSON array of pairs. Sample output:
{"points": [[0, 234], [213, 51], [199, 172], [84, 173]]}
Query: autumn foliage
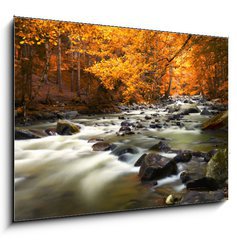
{"points": [[68, 61]]}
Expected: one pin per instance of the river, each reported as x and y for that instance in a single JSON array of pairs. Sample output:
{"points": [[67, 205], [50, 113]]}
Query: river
{"points": [[61, 176]]}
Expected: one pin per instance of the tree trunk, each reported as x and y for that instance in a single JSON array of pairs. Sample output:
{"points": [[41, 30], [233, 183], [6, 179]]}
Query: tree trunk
{"points": [[29, 73], [47, 55], [167, 94], [59, 79], [89, 80], [78, 75], [72, 73]]}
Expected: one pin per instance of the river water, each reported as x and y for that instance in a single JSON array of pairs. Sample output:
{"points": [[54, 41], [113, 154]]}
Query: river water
{"points": [[61, 175]]}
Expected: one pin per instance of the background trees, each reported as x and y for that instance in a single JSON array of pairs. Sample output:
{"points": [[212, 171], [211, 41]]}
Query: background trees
{"points": [[60, 61]]}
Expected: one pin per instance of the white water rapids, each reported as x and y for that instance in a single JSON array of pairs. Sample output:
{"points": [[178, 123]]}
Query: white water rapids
{"points": [[62, 175]]}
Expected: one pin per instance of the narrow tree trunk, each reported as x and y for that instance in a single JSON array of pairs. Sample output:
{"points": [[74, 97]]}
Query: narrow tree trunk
{"points": [[170, 82], [78, 74], [47, 55], [59, 79], [72, 73], [89, 81], [29, 73]]}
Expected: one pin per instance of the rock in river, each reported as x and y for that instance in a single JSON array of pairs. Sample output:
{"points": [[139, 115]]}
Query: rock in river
{"points": [[203, 184], [101, 146], [195, 197], [217, 167], [140, 160], [21, 134], [120, 150], [185, 109], [216, 122], [160, 147], [205, 112], [155, 167], [65, 127], [184, 156]]}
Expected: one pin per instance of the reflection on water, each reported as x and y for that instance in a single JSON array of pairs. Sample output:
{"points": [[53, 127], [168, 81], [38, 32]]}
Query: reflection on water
{"points": [[61, 175]]}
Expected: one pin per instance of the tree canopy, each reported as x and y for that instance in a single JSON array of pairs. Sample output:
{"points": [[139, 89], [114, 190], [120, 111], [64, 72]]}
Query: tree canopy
{"points": [[75, 60]]}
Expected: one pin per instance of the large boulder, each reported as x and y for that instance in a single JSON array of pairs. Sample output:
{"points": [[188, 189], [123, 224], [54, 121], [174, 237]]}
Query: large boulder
{"points": [[155, 167], [217, 167], [65, 127], [187, 108], [216, 122], [173, 108], [140, 160]]}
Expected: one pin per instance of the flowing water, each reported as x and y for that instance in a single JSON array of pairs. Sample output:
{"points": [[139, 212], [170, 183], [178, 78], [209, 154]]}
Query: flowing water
{"points": [[61, 175]]}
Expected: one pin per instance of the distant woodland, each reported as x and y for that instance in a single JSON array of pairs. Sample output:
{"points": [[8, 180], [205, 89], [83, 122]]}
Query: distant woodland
{"points": [[87, 64]]}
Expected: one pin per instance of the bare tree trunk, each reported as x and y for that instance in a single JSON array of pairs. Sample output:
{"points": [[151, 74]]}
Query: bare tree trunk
{"points": [[29, 73], [59, 79], [89, 80], [47, 55], [72, 73], [167, 94], [78, 75], [26, 70]]}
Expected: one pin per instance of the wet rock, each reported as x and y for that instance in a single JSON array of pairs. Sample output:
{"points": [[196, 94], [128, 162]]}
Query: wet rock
{"points": [[199, 154], [65, 127], [217, 167], [210, 154], [51, 131], [185, 109], [160, 147], [93, 140], [174, 117], [121, 117], [203, 184], [216, 122], [195, 197], [120, 150], [139, 125], [148, 117], [184, 177], [173, 108], [140, 160], [205, 112], [155, 167], [101, 146], [125, 129], [184, 156], [126, 124], [21, 134], [155, 125]]}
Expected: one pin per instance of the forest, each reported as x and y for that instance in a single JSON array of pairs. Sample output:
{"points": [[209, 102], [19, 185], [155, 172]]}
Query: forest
{"points": [[92, 65]]}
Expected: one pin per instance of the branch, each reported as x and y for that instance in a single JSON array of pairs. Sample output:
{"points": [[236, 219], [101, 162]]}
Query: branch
{"points": [[175, 55]]}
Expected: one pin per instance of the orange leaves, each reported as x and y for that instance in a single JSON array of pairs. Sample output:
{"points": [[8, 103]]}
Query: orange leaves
{"points": [[135, 62]]}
